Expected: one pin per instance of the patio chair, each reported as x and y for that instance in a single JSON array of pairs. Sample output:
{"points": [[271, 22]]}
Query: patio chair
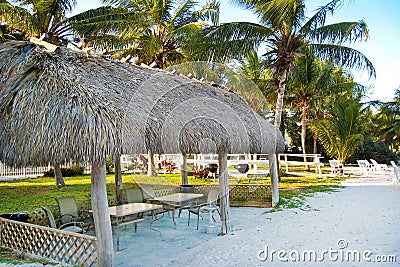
{"points": [[69, 211], [133, 195], [336, 166], [212, 200], [75, 227], [148, 192]]}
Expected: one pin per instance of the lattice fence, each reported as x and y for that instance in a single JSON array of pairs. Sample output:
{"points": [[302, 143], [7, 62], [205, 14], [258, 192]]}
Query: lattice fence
{"points": [[166, 191], [241, 192], [58, 245]]}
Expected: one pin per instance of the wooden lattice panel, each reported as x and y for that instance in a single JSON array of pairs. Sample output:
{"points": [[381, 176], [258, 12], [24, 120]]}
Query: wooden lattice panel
{"points": [[166, 191], [243, 192], [58, 245]]}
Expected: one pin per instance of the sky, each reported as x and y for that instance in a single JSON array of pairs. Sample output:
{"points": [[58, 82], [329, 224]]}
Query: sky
{"points": [[382, 47]]}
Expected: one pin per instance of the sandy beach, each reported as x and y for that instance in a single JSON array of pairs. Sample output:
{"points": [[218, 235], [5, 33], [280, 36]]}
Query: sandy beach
{"points": [[360, 220]]}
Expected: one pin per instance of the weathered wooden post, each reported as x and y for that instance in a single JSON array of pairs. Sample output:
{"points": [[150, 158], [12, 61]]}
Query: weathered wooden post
{"points": [[273, 168], [224, 192], [101, 216], [118, 179], [184, 169]]}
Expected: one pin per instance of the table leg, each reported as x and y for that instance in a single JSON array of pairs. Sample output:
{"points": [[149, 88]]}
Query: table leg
{"points": [[173, 217], [118, 233]]}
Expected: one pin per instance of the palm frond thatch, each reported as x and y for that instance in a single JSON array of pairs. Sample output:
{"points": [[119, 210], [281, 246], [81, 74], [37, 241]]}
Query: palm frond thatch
{"points": [[70, 105]]}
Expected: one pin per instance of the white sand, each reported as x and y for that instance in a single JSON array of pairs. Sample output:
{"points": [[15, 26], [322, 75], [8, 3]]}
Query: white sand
{"points": [[366, 217]]}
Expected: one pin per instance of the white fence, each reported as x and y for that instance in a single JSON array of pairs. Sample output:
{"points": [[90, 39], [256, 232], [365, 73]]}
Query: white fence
{"points": [[12, 172]]}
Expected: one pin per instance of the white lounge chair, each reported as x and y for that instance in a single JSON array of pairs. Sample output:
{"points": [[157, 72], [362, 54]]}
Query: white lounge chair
{"points": [[379, 168], [365, 166]]}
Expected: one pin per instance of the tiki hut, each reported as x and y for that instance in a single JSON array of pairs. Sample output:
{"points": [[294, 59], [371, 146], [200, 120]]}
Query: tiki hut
{"points": [[71, 105]]}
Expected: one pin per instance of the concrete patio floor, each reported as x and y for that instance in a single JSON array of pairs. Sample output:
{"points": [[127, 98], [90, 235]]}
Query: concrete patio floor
{"points": [[147, 248]]}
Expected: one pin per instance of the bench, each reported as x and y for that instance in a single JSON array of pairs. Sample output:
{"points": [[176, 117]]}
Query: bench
{"points": [[316, 162]]}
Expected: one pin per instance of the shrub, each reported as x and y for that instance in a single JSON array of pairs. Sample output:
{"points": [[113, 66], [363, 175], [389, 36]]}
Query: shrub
{"points": [[74, 170], [371, 149], [77, 170], [200, 173]]}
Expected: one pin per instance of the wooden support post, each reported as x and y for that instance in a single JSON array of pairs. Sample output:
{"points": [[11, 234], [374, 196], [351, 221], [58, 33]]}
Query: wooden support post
{"points": [[224, 193], [184, 169], [151, 170], [101, 216], [118, 179], [273, 169]]}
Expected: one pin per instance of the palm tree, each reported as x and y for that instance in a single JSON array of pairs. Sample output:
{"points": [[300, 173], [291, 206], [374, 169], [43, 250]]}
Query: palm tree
{"points": [[312, 82], [340, 133], [157, 34], [389, 121], [284, 31], [33, 18]]}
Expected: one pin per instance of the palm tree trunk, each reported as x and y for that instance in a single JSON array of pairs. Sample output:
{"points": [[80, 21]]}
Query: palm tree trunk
{"points": [[58, 174], [151, 169], [315, 143], [118, 179], [304, 114], [280, 90], [101, 216], [273, 159]]}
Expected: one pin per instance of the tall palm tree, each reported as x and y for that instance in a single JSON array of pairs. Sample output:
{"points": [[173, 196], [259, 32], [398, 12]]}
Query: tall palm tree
{"points": [[313, 82], [340, 133], [284, 30]]}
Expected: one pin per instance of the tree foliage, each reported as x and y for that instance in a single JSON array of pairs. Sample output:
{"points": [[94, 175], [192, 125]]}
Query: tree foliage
{"points": [[340, 134]]}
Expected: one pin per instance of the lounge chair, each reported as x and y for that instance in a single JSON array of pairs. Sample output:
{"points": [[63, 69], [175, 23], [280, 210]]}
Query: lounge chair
{"points": [[69, 211], [212, 200], [380, 168], [134, 195], [396, 176], [75, 227], [365, 166]]}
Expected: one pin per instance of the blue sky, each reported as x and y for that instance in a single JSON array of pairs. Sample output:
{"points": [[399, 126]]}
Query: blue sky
{"points": [[382, 48]]}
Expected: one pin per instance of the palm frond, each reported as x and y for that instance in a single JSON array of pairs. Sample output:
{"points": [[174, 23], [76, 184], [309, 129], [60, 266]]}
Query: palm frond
{"points": [[319, 18], [104, 20], [210, 11], [183, 13], [55, 6], [236, 38], [18, 18], [279, 13], [343, 56], [339, 33]]}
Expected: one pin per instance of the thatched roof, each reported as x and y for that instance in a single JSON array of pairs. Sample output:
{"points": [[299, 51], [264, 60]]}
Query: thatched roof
{"points": [[71, 105]]}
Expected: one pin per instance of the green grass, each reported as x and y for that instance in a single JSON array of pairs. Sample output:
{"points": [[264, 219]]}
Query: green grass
{"points": [[295, 190], [28, 194]]}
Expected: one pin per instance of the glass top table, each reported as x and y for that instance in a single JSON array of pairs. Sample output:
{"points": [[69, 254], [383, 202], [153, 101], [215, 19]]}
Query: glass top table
{"points": [[178, 201], [120, 213]]}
